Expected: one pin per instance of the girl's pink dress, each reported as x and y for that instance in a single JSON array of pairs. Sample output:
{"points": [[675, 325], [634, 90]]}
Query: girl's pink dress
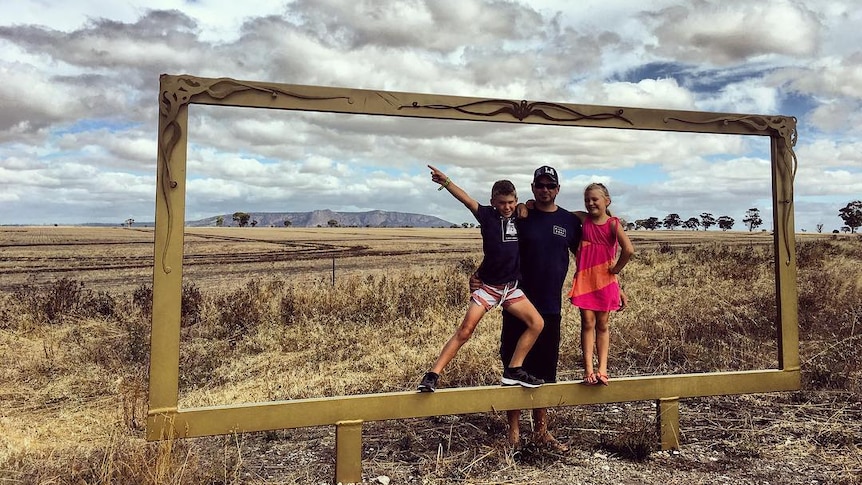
{"points": [[594, 287]]}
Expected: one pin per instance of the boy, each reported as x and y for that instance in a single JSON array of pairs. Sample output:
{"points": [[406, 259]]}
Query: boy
{"points": [[499, 273]]}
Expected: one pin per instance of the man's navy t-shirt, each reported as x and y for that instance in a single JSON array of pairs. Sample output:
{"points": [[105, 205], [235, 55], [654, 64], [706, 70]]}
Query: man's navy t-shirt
{"points": [[500, 245], [545, 239]]}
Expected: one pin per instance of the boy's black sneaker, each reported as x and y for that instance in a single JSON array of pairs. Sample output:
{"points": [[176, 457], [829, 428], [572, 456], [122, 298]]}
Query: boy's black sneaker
{"points": [[429, 382], [516, 375]]}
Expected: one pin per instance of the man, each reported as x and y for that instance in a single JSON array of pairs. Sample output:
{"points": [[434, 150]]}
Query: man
{"points": [[546, 237]]}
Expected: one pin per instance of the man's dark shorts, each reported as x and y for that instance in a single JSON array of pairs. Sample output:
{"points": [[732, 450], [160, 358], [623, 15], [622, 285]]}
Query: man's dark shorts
{"points": [[543, 358]]}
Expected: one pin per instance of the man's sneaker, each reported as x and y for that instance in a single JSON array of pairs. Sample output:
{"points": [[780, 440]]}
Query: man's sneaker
{"points": [[429, 382], [517, 375]]}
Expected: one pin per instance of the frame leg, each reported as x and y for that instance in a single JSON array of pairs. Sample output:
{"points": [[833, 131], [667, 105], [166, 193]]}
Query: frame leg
{"points": [[348, 452], [667, 422]]}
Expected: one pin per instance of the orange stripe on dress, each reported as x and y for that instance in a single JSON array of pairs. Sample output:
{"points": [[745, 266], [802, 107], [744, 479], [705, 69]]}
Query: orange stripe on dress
{"points": [[592, 279]]}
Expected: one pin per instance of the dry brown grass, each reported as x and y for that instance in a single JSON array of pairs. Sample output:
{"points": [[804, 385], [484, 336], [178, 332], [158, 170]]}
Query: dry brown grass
{"points": [[73, 379]]}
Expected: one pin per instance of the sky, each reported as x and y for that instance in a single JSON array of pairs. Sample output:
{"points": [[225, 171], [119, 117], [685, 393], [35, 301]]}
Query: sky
{"points": [[80, 82]]}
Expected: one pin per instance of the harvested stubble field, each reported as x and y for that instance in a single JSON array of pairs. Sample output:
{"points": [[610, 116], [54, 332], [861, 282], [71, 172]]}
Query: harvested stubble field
{"points": [[288, 313]]}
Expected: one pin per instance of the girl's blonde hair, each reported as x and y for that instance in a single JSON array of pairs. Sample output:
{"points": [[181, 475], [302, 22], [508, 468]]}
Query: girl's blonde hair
{"points": [[600, 186]]}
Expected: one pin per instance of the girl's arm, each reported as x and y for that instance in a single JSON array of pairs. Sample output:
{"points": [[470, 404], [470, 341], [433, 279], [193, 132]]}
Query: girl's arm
{"points": [[627, 250], [446, 183]]}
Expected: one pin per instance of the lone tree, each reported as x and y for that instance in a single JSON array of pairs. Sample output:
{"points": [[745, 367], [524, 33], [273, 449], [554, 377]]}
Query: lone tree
{"points": [[287, 223], [852, 215], [241, 218], [752, 219], [219, 221], [706, 220], [332, 223], [650, 223], [725, 223], [672, 221], [691, 223]]}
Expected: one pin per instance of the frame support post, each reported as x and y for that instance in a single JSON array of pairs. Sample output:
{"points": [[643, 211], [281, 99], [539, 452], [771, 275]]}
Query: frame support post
{"points": [[348, 452], [667, 421]]}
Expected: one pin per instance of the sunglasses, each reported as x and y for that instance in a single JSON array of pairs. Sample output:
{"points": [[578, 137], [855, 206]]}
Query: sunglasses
{"points": [[540, 185]]}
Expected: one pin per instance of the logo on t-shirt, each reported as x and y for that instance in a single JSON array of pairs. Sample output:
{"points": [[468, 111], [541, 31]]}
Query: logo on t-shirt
{"points": [[559, 231], [510, 232]]}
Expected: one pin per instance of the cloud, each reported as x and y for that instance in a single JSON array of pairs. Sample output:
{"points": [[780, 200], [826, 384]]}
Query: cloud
{"points": [[647, 93], [728, 32], [429, 25], [78, 106]]}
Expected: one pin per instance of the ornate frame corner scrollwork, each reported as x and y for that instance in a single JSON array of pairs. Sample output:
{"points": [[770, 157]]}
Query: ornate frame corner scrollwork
{"points": [[781, 127], [178, 92]]}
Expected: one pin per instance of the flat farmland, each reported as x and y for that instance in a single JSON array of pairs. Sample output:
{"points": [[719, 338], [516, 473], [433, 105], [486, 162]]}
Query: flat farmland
{"points": [[120, 259]]}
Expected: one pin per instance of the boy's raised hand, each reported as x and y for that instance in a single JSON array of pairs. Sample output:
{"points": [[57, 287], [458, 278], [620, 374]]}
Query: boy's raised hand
{"points": [[437, 176], [446, 183]]}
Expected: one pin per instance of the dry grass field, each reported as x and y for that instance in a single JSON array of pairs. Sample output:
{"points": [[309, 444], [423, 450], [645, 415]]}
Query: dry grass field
{"points": [[288, 313]]}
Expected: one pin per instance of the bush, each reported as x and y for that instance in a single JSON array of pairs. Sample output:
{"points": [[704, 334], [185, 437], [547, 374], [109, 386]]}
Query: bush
{"points": [[100, 304], [137, 340], [56, 301], [191, 302], [142, 298], [241, 311], [635, 440], [190, 305]]}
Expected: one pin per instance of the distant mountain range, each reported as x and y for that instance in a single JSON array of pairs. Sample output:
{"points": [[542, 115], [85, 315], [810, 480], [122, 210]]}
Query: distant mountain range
{"points": [[321, 218]]}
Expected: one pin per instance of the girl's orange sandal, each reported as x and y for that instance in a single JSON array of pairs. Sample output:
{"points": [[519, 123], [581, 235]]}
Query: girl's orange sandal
{"points": [[602, 379], [591, 379]]}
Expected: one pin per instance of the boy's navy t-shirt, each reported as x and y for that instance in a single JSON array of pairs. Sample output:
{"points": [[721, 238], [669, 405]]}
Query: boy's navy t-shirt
{"points": [[545, 240], [500, 245]]}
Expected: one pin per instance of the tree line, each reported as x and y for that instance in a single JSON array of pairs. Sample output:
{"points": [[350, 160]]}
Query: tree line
{"points": [[752, 220], [851, 214]]}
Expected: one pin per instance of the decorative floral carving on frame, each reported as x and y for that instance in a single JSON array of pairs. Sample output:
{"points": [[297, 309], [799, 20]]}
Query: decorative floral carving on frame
{"points": [[179, 91], [785, 128], [523, 109]]}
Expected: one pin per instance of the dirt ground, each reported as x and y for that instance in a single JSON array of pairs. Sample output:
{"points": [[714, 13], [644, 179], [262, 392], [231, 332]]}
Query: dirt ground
{"points": [[801, 437]]}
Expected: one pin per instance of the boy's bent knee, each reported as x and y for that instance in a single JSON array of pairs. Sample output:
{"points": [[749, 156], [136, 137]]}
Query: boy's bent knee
{"points": [[464, 334]]}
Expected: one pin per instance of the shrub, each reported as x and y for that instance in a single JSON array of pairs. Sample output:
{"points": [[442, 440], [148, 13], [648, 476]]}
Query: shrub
{"points": [[241, 311], [136, 344], [191, 302], [289, 306], [199, 361], [635, 440], [60, 298], [100, 304], [190, 305], [142, 298], [53, 302]]}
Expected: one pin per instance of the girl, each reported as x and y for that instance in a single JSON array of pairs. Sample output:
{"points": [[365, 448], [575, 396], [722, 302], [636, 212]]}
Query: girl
{"points": [[595, 289]]}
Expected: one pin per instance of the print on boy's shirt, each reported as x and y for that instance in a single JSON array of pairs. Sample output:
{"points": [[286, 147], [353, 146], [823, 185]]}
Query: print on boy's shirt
{"points": [[510, 232], [559, 231]]}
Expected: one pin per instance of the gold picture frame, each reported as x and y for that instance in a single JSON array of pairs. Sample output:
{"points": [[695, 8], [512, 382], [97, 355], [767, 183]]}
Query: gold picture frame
{"points": [[347, 413]]}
